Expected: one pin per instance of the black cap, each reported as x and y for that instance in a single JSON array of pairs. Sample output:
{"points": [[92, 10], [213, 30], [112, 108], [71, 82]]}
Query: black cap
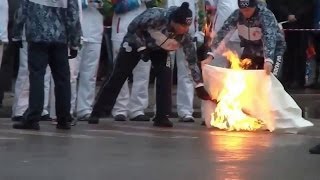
{"points": [[247, 3], [182, 15]]}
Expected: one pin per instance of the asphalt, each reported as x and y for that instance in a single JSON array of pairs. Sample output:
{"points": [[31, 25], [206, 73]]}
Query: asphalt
{"points": [[139, 151], [127, 151]]}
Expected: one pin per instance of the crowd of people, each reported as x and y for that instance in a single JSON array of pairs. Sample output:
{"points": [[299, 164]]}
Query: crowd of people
{"points": [[57, 45]]}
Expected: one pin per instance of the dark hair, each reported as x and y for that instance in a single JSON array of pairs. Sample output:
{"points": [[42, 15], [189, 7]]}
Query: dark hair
{"points": [[182, 15]]}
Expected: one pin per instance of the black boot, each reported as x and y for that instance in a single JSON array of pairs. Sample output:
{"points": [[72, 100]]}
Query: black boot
{"points": [[140, 118], [31, 125], [18, 118], [94, 117], [93, 120], [162, 122], [315, 150], [64, 125]]}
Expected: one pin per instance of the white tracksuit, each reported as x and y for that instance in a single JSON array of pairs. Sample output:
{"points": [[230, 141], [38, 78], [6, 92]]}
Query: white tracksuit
{"points": [[21, 90], [185, 86], [74, 65], [4, 18], [135, 104], [224, 10], [88, 60]]}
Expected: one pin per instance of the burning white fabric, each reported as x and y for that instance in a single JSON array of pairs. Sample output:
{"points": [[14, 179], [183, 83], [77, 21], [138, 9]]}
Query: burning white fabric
{"points": [[249, 100]]}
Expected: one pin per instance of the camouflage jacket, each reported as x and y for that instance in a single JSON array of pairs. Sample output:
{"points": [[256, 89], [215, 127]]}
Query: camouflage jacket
{"points": [[260, 35], [140, 34], [49, 21]]}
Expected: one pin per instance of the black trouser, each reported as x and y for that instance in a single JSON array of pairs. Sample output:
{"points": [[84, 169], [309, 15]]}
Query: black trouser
{"points": [[39, 56], [294, 65], [124, 64], [256, 62]]}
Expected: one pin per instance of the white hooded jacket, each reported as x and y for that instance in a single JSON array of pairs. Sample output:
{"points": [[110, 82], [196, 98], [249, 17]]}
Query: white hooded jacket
{"points": [[92, 25], [224, 9], [120, 22]]}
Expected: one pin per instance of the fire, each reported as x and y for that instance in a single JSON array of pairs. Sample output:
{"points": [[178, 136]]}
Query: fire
{"points": [[229, 113]]}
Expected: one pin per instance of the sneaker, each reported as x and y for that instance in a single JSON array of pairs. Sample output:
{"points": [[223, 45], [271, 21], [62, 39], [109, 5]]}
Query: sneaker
{"points": [[26, 125], [140, 118], [315, 150], [82, 118], [74, 122], [54, 122], [17, 118], [120, 117], [63, 125], [162, 122], [187, 119]]}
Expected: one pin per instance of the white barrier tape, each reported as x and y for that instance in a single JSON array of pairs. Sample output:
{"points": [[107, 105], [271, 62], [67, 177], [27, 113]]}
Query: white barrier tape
{"points": [[281, 27], [301, 29]]}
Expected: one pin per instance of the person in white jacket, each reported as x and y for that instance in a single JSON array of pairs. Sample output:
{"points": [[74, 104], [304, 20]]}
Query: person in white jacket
{"points": [[133, 105], [185, 87], [4, 18], [224, 8], [85, 66]]}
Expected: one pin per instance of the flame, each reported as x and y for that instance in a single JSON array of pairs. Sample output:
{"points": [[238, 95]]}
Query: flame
{"points": [[229, 113]]}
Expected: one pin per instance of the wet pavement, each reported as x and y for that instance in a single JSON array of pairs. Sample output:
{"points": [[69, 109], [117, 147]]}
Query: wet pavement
{"points": [[138, 151]]}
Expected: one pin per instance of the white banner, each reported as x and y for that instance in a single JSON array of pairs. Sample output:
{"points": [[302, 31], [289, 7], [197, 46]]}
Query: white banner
{"points": [[265, 98]]}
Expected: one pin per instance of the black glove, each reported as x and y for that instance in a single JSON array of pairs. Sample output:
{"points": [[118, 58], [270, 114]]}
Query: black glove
{"points": [[73, 53], [202, 93]]}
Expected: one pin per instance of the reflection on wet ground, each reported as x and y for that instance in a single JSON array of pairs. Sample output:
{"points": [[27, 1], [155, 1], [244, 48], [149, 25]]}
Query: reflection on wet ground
{"points": [[130, 150]]}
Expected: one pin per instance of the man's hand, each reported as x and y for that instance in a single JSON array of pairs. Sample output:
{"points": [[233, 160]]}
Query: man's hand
{"points": [[208, 60], [202, 93], [73, 53], [267, 67], [292, 18]]}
